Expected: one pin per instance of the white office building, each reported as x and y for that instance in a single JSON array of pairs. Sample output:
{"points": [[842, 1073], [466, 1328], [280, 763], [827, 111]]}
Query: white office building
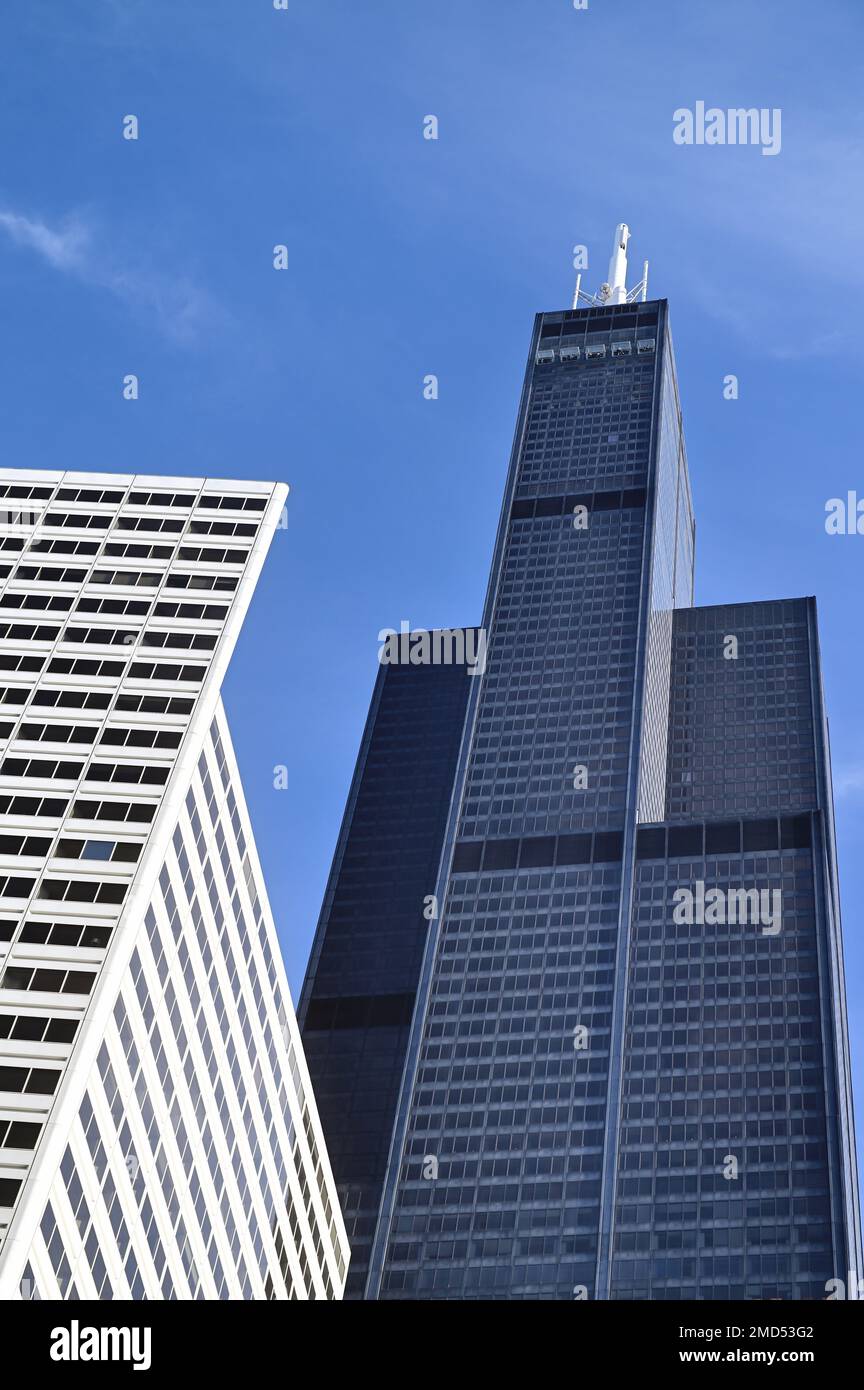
{"points": [[158, 1132]]}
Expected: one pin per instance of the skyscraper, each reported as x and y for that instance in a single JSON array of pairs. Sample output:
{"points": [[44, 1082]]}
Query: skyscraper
{"points": [[627, 1071], [158, 1132], [356, 1006]]}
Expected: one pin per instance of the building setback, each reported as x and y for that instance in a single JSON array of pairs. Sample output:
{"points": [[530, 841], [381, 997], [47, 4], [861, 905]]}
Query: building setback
{"points": [[158, 1132], [356, 1005], [600, 1100]]}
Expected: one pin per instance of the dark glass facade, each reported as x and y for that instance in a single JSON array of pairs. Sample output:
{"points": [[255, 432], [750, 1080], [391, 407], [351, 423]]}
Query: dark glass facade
{"points": [[599, 1101], [735, 1041], [359, 994]]}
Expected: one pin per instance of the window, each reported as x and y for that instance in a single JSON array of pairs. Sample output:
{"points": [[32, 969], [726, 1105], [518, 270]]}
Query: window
{"points": [[65, 934], [13, 887], [57, 733], [24, 977], [117, 607], [186, 641], [72, 699], [141, 738], [80, 520], [211, 612], [225, 582], [160, 499], [36, 1081], [149, 523], [98, 496], [32, 805], [56, 546], [130, 578], [82, 891], [134, 550], [22, 492], [234, 504], [21, 663], [104, 636], [28, 632], [99, 851], [154, 704], [84, 666], [166, 671], [18, 1134], [51, 574], [137, 812], [211, 555], [124, 772], [24, 844], [221, 528]]}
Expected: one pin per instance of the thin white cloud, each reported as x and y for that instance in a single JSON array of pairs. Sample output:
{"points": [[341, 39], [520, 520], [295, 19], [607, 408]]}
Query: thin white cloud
{"points": [[181, 308], [849, 781], [64, 249]]}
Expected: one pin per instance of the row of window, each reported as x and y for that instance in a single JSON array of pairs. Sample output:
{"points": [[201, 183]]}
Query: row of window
{"points": [[33, 805], [37, 1028], [136, 811], [116, 607], [43, 602], [64, 770], [24, 977], [99, 496], [70, 699], [25, 491], [49, 574], [165, 525], [80, 520], [34, 845], [86, 734], [56, 545], [87, 666], [136, 550], [132, 773], [13, 886], [141, 738], [154, 704], [112, 637], [77, 890], [65, 934], [129, 579], [101, 851], [96, 699], [103, 496], [28, 632], [66, 890], [31, 1081], [212, 612], [18, 1134], [165, 671], [57, 733], [105, 637]]}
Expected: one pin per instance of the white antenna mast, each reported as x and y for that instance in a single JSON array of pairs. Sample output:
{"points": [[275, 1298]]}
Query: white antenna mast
{"points": [[614, 290]]}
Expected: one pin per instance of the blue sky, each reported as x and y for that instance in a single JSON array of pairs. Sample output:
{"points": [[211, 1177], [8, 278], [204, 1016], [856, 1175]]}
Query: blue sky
{"points": [[409, 257]]}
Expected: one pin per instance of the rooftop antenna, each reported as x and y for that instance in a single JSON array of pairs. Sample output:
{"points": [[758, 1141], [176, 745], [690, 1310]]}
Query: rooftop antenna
{"points": [[614, 290]]}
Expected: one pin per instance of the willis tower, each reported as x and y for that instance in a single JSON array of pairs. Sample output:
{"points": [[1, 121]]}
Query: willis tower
{"points": [[575, 1011]]}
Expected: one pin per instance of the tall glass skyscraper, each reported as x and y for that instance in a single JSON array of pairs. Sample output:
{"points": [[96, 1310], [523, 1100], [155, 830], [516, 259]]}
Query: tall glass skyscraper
{"points": [[626, 1074], [158, 1133]]}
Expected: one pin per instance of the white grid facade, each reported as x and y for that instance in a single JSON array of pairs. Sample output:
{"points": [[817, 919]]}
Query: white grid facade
{"points": [[158, 1136]]}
